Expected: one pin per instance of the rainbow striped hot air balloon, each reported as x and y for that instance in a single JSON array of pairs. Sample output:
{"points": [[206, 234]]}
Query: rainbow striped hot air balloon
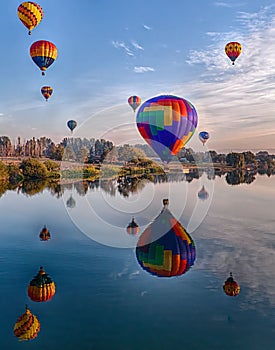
{"points": [[27, 326], [134, 102], [30, 14], [167, 123], [233, 50], [165, 249], [43, 53]]}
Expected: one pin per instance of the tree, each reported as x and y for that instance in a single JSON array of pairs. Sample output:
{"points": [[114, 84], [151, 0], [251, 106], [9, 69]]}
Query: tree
{"points": [[235, 160], [33, 169], [82, 154]]}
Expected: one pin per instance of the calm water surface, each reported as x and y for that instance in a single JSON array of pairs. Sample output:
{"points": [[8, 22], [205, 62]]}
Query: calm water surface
{"points": [[104, 300]]}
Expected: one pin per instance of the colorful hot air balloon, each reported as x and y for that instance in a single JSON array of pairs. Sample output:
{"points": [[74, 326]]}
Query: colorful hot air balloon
{"points": [[46, 91], [27, 326], [165, 249], [203, 194], [233, 50], [204, 136], [167, 123], [30, 14], [71, 124], [133, 228], [231, 287], [44, 234], [43, 53], [134, 102], [41, 287]]}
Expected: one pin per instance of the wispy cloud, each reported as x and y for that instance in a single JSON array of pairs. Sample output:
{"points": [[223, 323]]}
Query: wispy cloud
{"points": [[147, 27], [123, 46], [1, 115], [240, 96], [222, 4], [137, 46], [142, 69]]}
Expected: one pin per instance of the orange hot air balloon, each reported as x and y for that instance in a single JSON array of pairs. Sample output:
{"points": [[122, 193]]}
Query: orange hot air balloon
{"points": [[43, 54], [231, 287], [133, 228], [41, 287], [27, 326], [30, 14], [44, 234]]}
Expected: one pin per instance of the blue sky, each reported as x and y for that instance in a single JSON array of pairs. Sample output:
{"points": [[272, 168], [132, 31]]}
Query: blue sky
{"points": [[109, 50]]}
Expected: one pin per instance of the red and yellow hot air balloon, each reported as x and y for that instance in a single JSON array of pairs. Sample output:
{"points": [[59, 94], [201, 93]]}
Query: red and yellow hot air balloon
{"points": [[233, 50], [231, 287], [41, 287], [30, 14], [134, 102], [27, 326], [133, 228], [43, 53], [44, 234], [46, 91]]}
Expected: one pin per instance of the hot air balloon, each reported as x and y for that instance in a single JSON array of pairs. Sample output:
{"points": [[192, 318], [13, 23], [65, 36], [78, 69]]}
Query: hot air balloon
{"points": [[27, 326], [167, 123], [231, 287], [30, 14], [44, 234], [46, 91], [203, 194], [71, 124], [233, 50], [71, 202], [133, 228], [204, 136], [134, 102], [43, 53], [41, 287], [165, 249]]}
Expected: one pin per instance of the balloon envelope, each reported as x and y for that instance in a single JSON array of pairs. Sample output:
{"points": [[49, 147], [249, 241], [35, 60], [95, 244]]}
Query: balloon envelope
{"points": [[233, 50], [165, 249], [167, 123], [43, 53], [204, 136], [71, 124], [27, 326], [30, 14], [203, 194], [46, 91], [231, 287], [134, 102], [41, 287], [132, 228]]}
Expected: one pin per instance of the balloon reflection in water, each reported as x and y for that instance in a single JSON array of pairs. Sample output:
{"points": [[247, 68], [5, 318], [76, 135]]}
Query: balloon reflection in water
{"points": [[41, 287], [133, 228], [27, 326], [165, 249], [71, 202], [44, 234], [203, 194], [231, 287]]}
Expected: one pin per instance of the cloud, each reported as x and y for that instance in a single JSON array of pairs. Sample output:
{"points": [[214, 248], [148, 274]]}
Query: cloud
{"points": [[142, 69], [147, 27], [1, 115], [222, 4], [240, 97], [122, 45], [137, 46]]}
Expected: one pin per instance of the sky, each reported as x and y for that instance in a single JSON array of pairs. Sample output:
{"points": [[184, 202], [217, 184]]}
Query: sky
{"points": [[109, 50]]}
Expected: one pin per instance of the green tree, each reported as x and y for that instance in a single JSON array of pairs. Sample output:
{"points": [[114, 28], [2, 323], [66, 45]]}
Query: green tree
{"points": [[4, 175], [33, 169]]}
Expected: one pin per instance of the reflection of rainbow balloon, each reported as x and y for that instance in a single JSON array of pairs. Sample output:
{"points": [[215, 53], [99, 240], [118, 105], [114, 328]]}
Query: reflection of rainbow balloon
{"points": [[231, 287], [30, 14], [134, 102], [43, 53], [167, 123], [165, 249], [27, 326], [233, 50]]}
